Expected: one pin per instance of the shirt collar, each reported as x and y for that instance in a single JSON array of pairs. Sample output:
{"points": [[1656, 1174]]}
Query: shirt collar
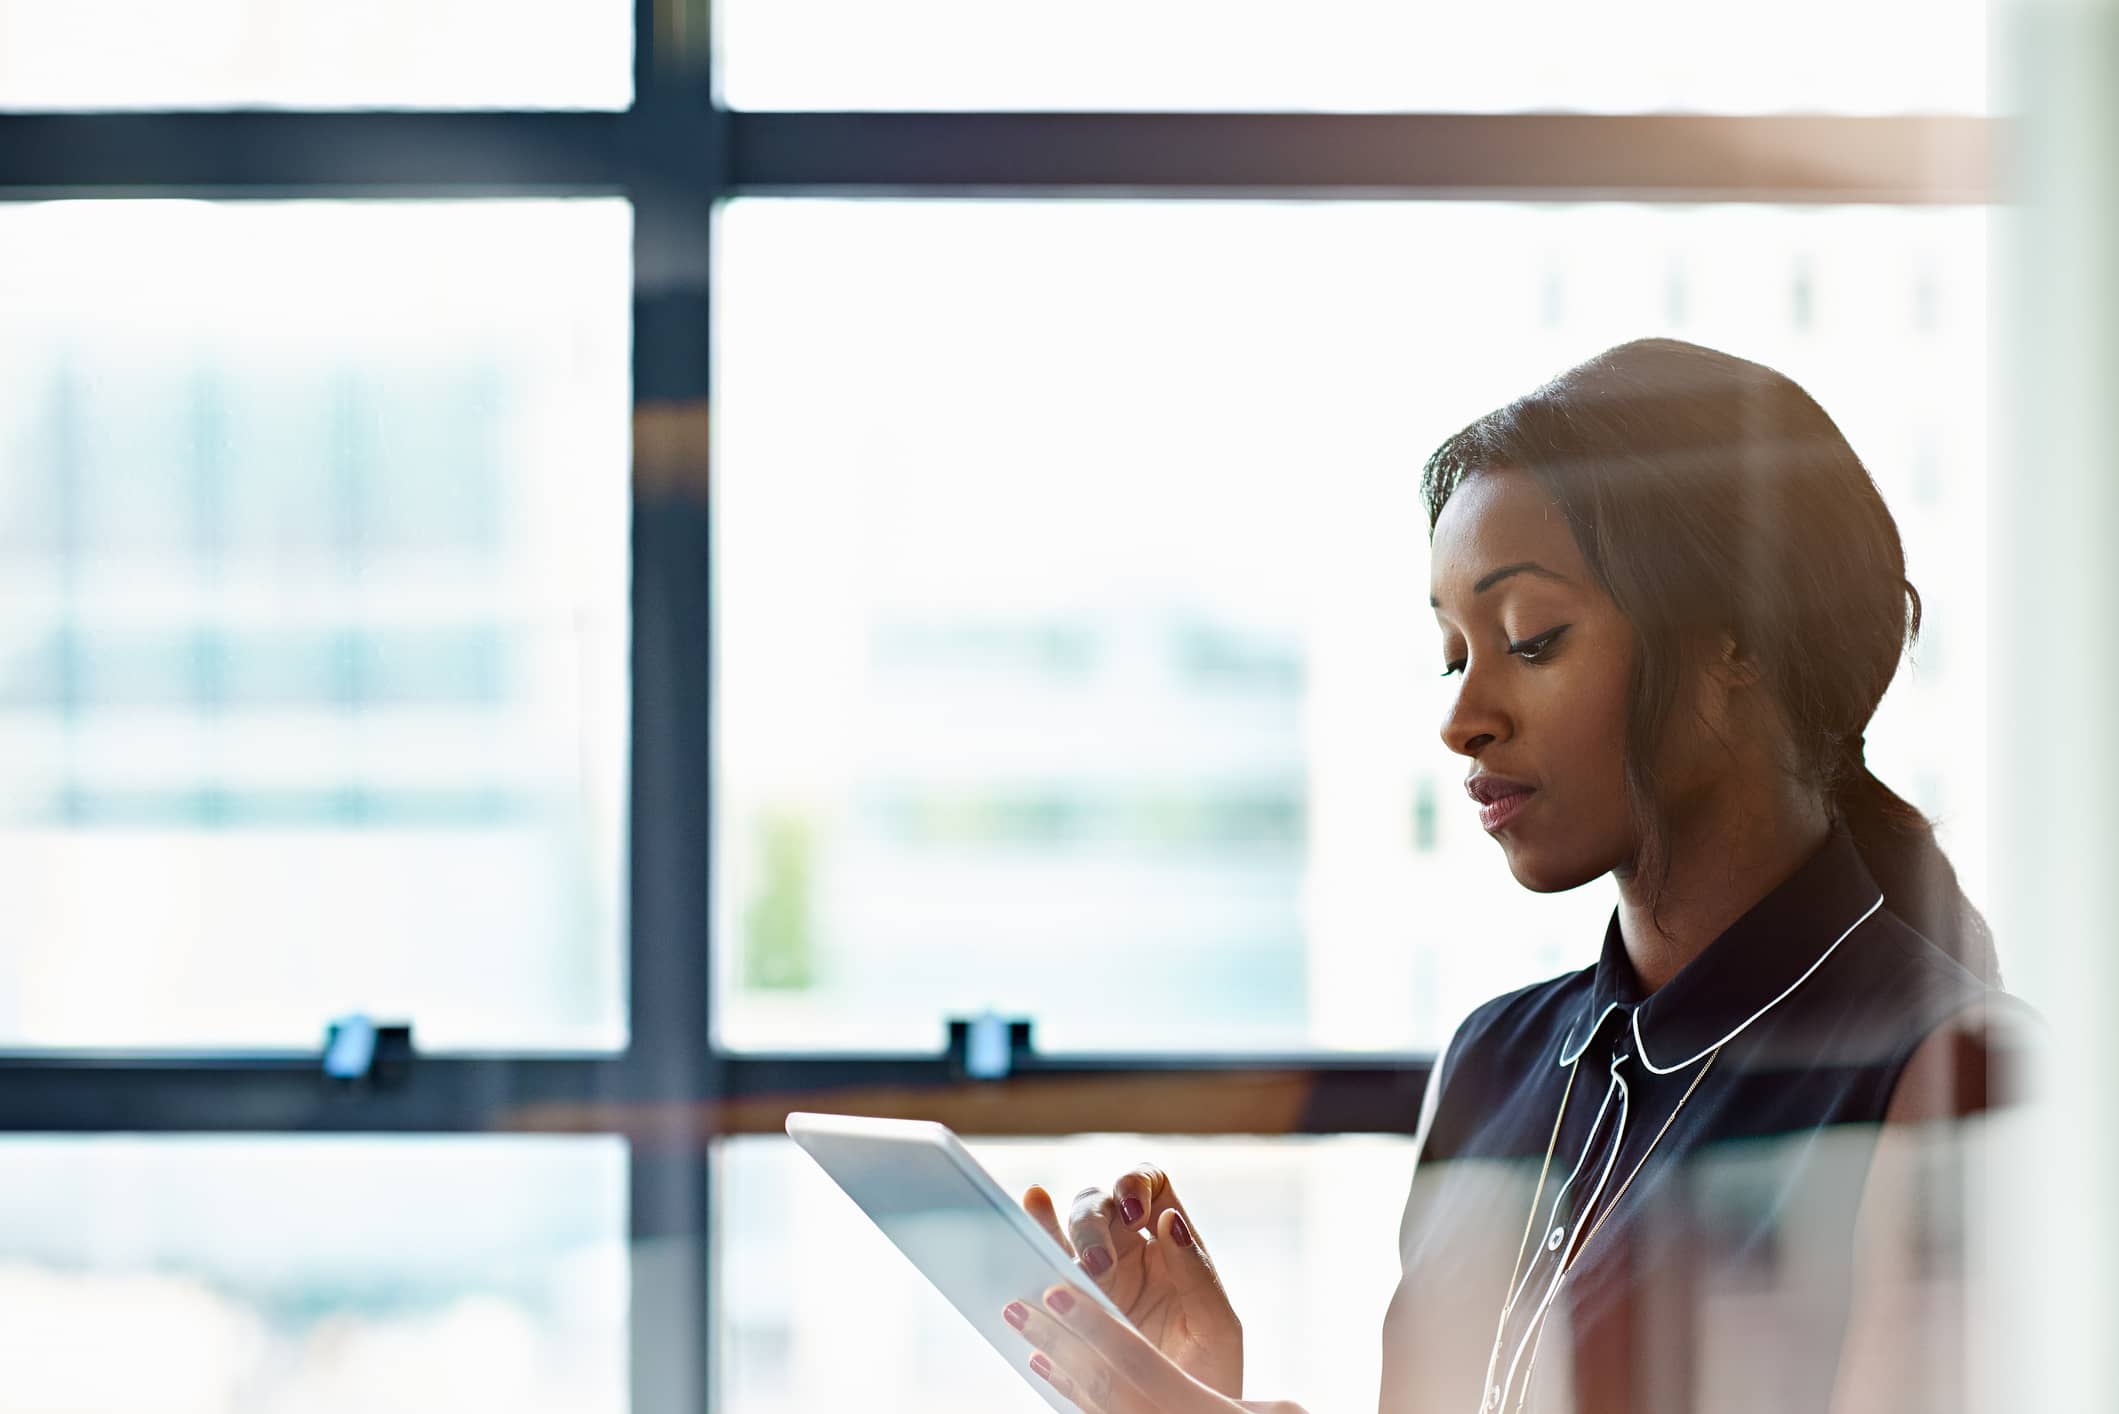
{"points": [[1759, 960]]}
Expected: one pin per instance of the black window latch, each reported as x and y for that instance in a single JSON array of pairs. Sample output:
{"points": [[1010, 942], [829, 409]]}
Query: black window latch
{"points": [[360, 1051]]}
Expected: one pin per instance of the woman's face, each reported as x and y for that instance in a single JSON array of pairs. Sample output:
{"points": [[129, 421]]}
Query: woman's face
{"points": [[1541, 659]]}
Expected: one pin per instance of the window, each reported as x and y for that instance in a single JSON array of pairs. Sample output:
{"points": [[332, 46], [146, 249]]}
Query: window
{"points": [[1087, 638], [319, 623], [205, 54], [349, 671], [319, 1274], [1351, 56]]}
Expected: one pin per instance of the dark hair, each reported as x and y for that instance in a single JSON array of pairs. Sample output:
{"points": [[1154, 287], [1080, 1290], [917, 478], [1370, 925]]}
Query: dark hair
{"points": [[1712, 495]]}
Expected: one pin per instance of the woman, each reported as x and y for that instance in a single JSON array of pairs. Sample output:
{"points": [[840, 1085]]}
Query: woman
{"points": [[1687, 1175]]}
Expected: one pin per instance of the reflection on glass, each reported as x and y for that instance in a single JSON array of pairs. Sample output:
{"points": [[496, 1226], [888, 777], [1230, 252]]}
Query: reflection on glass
{"points": [[1353, 56], [1303, 1231], [326, 1276], [146, 54], [312, 681], [1305, 1236], [1073, 655]]}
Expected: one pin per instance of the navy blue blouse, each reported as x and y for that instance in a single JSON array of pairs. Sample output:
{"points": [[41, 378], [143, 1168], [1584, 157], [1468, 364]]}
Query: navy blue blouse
{"points": [[1629, 1202]]}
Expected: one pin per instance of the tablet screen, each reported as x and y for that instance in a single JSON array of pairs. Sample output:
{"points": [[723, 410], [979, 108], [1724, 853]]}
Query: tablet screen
{"points": [[970, 1240]]}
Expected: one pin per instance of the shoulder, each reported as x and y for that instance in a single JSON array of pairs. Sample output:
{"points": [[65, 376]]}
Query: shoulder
{"points": [[1878, 999], [1495, 1047], [1521, 1025], [1900, 958], [1962, 1045]]}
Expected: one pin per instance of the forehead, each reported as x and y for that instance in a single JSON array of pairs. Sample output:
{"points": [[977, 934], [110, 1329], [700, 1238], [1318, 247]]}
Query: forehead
{"points": [[1499, 518]]}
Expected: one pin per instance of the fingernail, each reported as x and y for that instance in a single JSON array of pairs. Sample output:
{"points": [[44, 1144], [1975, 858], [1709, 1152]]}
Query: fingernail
{"points": [[1097, 1260], [1132, 1209], [1015, 1313], [1060, 1300], [1039, 1363], [1179, 1231]]}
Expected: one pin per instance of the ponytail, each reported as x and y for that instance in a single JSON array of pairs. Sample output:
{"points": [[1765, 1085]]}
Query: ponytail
{"points": [[1897, 842]]}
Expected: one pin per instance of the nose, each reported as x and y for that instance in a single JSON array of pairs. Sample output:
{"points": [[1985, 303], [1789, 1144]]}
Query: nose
{"points": [[1475, 720]]}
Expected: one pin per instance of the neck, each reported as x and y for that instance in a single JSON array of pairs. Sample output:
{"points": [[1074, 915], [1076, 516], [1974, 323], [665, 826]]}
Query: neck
{"points": [[1724, 858]]}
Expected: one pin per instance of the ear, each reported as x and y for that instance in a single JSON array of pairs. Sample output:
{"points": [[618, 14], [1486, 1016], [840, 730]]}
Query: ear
{"points": [[1732, 667]]}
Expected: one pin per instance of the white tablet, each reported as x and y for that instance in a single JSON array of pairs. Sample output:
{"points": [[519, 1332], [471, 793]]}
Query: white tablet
{"points": [[972, 1241]]}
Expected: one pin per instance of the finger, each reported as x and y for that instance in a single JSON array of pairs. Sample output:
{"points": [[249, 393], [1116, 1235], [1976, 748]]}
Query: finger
{"points": [[1085, 1377], [1127, 1239], [1068, 1364], [1183, 1257], [1038, 1203], [1089, 1223], [1144, 1195], [1161, 1385], [1041, 1365]]}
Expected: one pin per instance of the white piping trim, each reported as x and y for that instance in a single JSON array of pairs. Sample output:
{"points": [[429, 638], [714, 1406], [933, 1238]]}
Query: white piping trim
{"points": [[1560, 1195], [1587, 1036], [1519, 1282], [1534, 1333], [1519, 1279], [1641, 1049]]}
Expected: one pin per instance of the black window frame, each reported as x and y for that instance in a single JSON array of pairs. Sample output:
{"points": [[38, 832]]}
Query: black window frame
{"points": [[676, 153]]}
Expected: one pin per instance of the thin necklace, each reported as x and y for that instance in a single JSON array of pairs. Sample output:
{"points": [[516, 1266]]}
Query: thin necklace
{"points": [[1493, 1392]]}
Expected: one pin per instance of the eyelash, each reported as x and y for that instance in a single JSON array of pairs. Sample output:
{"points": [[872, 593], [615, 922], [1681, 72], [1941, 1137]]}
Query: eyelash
{"points": [[1530, 650]]}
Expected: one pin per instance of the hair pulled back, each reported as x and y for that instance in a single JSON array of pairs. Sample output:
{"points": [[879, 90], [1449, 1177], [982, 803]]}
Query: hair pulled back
{"points": [[1712, 495]]}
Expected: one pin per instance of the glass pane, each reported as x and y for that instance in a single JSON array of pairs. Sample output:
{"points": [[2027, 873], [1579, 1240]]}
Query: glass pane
{"points": [[118, 54], [313, 532], [1306, 1239], [1079, 662], [195, 1276], [1304, 1233], [1354, 56]]}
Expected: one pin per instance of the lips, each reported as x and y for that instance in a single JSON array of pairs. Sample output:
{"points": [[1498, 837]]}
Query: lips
{"points": [[1486, 787], [1495, 816], [1500, 799]]}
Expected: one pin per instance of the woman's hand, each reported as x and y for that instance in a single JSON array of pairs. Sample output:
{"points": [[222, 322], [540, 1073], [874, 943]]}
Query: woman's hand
{"points": [[1137, 1242], [1103, 1366]]}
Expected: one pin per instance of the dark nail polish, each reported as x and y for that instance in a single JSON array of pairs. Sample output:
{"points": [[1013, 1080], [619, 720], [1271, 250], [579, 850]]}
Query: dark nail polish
{"points": [[1132, 1210], [1097, 1260], [1179, 1231], [1015, 1313], [1061, 1300]]}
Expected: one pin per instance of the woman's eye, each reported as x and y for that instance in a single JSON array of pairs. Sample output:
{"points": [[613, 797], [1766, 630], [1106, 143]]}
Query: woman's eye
{"points": [[1537, 650], [1530, 650]]}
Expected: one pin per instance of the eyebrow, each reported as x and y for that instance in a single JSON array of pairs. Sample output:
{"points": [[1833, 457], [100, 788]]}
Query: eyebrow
{"points": [[1494, 577]]}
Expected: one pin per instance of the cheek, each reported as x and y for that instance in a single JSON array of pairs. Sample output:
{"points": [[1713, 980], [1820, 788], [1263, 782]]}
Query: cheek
{"points": [[1590, 726], [1582, 756], [1694, 750]]}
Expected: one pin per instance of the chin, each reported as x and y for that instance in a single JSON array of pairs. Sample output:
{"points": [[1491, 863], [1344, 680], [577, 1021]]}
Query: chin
{"points": [[1541, 873]]}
